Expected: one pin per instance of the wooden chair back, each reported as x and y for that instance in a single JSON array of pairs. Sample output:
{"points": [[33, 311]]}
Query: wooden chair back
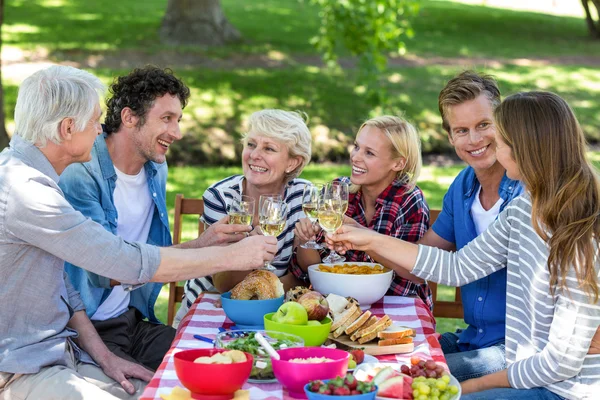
{"points": [[441, 308], [183, 207]]}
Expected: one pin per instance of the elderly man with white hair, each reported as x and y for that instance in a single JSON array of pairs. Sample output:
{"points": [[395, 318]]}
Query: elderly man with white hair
{"points": [[48, 347]]}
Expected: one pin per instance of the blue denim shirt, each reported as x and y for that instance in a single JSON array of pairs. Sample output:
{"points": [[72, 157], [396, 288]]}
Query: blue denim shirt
{"points": [[89, 187], [484, 301]]}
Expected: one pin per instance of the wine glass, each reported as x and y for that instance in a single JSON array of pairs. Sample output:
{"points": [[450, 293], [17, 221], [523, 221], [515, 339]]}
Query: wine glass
{"points": [[341, 191], [241, 211], [310, 201], [272, 214], [331, 217]]}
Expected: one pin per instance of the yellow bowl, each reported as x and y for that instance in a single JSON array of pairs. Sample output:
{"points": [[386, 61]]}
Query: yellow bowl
{"points": [[313, 335]]}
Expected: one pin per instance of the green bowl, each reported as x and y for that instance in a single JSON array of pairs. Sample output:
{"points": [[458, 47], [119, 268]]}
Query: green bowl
{"points": [[313, 335]]}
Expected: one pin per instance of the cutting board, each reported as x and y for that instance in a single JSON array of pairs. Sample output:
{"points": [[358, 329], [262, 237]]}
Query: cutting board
{"points": [[372, 347]]}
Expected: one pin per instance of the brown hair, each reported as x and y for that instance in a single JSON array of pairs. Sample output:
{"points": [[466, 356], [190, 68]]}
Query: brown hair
{"points": [[405, 144], [466, 86], [549, 148]]}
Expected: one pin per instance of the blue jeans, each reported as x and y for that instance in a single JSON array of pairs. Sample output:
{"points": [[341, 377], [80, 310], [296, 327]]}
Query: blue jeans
{"points": [[473, 363], [511, 394]]}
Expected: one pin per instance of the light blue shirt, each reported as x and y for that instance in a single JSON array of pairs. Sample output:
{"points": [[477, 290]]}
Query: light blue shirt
{"points": [[39, 230], [89, 187]]}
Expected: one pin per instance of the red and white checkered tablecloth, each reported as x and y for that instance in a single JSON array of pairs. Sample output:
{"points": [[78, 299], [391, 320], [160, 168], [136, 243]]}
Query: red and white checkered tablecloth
{"points": [[205, 319]]}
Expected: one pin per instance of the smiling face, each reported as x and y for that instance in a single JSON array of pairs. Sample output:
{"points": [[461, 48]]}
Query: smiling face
{"points": [[160, 130], [373, 161], [266, 162], [472, 132]]}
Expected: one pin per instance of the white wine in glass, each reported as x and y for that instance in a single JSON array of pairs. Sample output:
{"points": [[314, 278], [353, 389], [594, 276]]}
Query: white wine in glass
{"points": [[272, 216], [241, 211], [330, 218], [310, 204], [341, 190]]}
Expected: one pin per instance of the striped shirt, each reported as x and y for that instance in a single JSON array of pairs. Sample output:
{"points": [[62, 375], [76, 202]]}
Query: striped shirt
{"points": [[547, 336], [220, 195]]}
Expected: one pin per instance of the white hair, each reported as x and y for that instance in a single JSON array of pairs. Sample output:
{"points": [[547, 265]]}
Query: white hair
{"points": [[51, 95], [286, 127]]}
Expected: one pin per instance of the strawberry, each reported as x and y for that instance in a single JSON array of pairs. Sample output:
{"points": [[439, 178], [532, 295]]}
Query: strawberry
{"points": [[355, 392], [341, 391], [358, 355], [351, 382], [324, 390], [315, 386]]}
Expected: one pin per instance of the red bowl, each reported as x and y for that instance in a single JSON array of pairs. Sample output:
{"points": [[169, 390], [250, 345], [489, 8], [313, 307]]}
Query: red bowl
{"points": [[211, 381], [293, 376]]}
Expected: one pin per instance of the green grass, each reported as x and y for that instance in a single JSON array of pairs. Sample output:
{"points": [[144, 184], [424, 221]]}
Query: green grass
{"points": [[443, 28]]}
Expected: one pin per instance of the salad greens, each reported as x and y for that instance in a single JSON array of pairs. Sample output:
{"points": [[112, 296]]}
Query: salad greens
{"points": [[261, 358]]}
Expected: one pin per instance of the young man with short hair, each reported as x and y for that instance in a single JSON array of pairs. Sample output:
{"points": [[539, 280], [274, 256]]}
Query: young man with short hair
{"points": [[473, 201]]}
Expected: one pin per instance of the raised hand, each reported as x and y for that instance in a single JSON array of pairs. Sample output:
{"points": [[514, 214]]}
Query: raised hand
{"points": [[253, 252], [219, 234], [350, 237], [305, 231]]}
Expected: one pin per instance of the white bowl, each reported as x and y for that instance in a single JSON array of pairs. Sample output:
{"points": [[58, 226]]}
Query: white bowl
{"points": [[367, 289]]}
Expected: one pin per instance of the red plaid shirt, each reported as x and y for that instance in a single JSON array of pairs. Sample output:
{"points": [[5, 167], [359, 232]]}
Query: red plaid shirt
{"points": [[399, 212]]}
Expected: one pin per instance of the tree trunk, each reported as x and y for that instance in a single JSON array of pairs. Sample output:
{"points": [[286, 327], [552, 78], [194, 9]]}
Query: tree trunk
{"points": [[592, 28], [3, 134], [197, 22]]}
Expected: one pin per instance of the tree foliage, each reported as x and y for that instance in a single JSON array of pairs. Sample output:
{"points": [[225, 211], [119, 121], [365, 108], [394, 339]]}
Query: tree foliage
{"points": [[369, 30]]}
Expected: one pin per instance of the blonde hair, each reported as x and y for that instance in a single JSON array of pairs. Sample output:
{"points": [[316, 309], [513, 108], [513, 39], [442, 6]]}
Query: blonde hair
{"points": [[549, 148], [286, 127], [405, 144]]}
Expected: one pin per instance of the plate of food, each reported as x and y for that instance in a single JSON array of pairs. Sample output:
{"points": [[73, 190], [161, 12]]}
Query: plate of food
{"points": [[395, 380], [243, 340]]}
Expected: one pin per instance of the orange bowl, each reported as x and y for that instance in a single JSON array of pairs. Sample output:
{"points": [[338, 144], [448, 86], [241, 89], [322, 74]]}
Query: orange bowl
{"points": [[211, 381]]}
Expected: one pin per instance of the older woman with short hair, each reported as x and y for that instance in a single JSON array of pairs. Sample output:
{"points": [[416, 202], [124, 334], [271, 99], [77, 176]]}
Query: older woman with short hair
{"points": [[277, 147]]}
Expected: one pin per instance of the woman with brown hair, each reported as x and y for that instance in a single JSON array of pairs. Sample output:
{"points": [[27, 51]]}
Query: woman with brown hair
{"points": [[547, 240]]}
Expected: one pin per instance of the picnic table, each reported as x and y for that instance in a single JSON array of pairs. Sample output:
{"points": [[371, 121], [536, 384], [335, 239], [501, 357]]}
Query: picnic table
{"points": [[205, 319]]}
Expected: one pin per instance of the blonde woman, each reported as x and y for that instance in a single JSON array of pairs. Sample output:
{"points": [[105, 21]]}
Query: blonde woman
{"points": [[386, 162], [547, 239], [277, 147]]}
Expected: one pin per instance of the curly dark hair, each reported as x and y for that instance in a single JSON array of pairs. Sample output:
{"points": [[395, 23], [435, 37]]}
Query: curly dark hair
{"points": [[138, 90]]}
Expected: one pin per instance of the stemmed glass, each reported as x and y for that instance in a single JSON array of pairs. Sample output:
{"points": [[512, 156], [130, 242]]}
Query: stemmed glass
{"points": [[310, 201], [331, 217], [241, 211], [341, 191], [272, 213]]}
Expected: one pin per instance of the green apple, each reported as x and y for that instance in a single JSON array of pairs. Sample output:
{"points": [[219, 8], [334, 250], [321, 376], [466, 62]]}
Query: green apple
{"points": [[313, 322], [291, 313]]}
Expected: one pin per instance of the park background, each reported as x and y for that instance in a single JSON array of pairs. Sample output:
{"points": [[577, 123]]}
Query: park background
{"points": [[525, 44]]}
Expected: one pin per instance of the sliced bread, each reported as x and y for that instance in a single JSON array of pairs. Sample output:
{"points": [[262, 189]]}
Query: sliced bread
{"points": [[340, 319], [396, 332], [391, 342], [360, 321], [339, 331]]}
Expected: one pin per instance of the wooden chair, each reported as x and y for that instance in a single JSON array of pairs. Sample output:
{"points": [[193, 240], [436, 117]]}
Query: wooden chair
{"points": [[183, 207], [444, 309]]}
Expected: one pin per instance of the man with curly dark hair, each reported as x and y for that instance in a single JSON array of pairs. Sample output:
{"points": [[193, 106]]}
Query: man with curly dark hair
{"points": [[123, 188]]}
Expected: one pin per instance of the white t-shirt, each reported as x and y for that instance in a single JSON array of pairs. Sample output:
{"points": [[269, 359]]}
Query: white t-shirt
{"points": [[135, 210], [482, 217]]}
